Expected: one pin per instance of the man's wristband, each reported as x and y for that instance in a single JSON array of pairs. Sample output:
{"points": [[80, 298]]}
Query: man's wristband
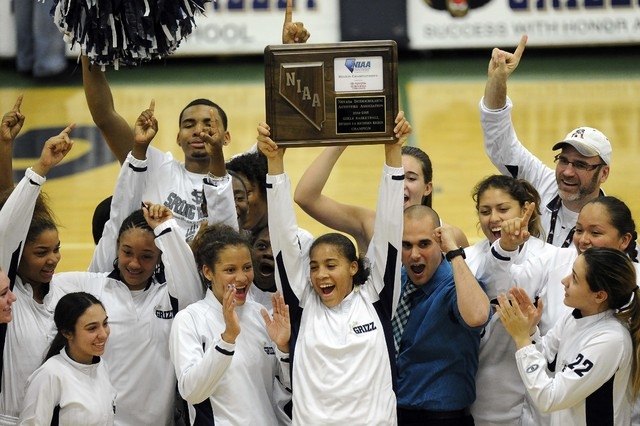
{"points": [[455, 253]]}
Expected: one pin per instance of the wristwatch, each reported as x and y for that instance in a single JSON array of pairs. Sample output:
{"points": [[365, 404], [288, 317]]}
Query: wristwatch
{"points": [[455, 253]]}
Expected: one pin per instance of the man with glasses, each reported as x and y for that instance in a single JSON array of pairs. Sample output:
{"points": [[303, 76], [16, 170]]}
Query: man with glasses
{"points": [[581, 166]]}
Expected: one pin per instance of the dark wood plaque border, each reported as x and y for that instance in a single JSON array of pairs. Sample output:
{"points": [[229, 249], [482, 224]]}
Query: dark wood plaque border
{"points": [[306, 113]]}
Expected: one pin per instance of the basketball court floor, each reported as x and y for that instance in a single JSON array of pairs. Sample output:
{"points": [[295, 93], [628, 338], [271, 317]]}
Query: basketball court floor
{"points": [[553, 92]]}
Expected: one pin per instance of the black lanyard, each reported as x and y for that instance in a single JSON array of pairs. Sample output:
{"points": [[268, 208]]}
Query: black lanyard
{"points": [[554, 206]]}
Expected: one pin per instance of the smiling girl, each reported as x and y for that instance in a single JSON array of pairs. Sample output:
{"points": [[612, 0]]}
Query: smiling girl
{"points": [[73, 386], [603, 222], [29, 253], [343, 356], [499, 198], [594, 346], [227, 351]]}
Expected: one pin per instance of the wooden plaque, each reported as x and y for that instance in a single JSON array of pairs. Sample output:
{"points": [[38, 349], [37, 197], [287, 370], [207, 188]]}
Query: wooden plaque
{"points": [[332, 94]]}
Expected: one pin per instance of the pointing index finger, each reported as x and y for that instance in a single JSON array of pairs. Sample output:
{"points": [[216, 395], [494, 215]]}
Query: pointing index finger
{"points": [[69, 128], [152, 105], [288, 15], [521, 45], [16, 107], [527, 213]]}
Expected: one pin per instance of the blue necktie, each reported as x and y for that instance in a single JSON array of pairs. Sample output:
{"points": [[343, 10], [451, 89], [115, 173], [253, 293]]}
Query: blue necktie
{"points": [[402, 313]]}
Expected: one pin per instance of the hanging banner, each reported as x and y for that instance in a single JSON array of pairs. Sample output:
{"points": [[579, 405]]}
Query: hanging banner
{"points": [[7, 31], [247, 26], [457, 24], [234, 27]]}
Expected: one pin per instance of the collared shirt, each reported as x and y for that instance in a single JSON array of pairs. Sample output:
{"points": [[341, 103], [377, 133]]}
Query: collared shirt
{"points": [[438, 356]]}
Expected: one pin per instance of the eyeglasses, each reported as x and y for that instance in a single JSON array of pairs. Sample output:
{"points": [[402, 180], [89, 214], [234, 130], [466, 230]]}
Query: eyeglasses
{"points": [[578, 165]]}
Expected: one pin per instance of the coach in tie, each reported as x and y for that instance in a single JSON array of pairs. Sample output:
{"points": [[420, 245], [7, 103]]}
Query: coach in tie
{"points": [[437, 327]]}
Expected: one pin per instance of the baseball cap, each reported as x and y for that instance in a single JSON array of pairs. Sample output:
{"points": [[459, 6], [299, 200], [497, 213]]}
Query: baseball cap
{"points": [[589, 142]]}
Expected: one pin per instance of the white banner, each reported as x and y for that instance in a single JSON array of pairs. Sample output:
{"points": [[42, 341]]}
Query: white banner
{"points": [[437, 24], [229, 26], [7, 30], [248, 26]]}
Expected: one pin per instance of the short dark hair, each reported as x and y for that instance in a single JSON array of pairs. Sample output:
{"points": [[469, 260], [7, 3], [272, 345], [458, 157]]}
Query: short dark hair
{"points": [[100, 217], [252, 165], [207, 102]]}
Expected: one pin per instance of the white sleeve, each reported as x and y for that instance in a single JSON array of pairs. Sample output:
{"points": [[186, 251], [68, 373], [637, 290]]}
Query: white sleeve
{"points": [[180, 267], [221, 205], [43, 392], [198, 369], [15, 219], [502, 271], [598, 360], [384, 251], [507, 153], [283, 231], [284, 367], [127, 198], [70, 282]]}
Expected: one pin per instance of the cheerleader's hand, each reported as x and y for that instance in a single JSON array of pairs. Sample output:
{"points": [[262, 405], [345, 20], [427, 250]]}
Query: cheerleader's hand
{"points": [[144, 130], [531, 311], [515, 232], [516, 322], [266, 145], [156, 214], [231, 320], [214, 141], [12, 123], [278, 327], [403, 128], [293, 32], [54, 150]]}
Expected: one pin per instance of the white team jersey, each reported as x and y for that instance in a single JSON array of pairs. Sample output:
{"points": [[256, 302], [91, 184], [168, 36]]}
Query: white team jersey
{"points": [[234, 381], [169, 183], [541, 276], [138, 353], [511, 158], [593, 358], [131, 190], [497, 405], [83, 394], [342, 361], [31, 329]]}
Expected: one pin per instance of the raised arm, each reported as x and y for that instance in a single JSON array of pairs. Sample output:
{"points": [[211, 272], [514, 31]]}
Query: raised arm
{"points": [[11, 125], [501, 66], [356, 221], [144, 130], [114, 128], [385, 248], [127, 194], [180, 266], [17, 211], [293, 32], [472, 300], [218, 186], [291, 278]]}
